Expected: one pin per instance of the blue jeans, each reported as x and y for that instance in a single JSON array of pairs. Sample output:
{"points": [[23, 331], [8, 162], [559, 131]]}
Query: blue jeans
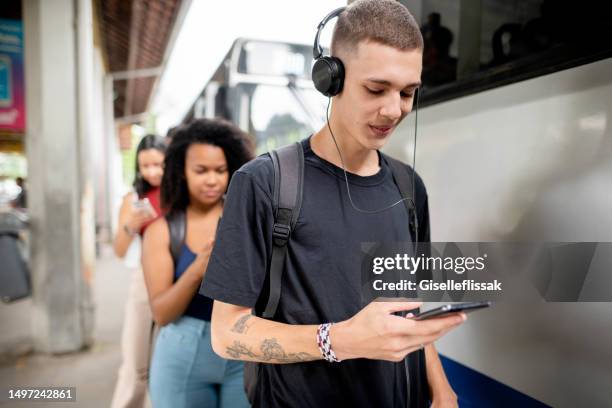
{"points": [[186, 372]]}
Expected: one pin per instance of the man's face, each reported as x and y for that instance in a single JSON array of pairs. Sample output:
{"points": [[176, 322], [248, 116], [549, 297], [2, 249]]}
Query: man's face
{"points": [[379, 87]]}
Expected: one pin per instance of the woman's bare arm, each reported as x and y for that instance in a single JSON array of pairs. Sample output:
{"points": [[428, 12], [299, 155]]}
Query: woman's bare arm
{"points": [[122, 240], [168, 299]]}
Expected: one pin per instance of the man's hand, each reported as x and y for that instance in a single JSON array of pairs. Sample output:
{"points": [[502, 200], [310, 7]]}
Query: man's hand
{"points": [[376, 333]]}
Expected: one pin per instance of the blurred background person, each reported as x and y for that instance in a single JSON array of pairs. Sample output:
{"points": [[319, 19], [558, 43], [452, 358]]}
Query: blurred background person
{"points": [[21, 201], [170, 134], [138, 210], [185, 371], [439, 66]]}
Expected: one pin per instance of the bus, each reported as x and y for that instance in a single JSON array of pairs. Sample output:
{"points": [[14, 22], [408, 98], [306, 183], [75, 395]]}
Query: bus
{"points": [[514, 144], [265, 88]]}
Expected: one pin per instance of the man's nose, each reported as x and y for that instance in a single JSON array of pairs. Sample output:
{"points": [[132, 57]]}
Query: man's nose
{"points": [[392, 108]]}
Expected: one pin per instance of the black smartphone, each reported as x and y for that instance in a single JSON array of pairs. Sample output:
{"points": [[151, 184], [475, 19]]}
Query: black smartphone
{"points": [[451, 308]]}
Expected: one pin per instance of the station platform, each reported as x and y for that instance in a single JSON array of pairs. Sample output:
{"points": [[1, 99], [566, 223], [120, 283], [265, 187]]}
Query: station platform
{"points": [[92, 371]]}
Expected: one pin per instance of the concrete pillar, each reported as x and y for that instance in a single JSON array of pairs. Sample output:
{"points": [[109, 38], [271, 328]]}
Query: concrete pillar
{"points": [[85, 138], [110, 140], [62, 312]]}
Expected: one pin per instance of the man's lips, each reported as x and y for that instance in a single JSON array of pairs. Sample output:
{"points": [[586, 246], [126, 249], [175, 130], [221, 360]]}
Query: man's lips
{"points": [[381, 130]]}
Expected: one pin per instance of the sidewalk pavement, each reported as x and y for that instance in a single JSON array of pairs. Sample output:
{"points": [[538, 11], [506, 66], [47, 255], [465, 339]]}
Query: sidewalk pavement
{"points": [[92, 371]]}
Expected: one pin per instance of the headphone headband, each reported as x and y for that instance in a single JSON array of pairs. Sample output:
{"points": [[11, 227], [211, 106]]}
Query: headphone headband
{"points": [[317, 51]]}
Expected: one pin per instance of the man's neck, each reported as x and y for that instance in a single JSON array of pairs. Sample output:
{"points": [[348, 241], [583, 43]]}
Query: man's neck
{"points": [[357, 159]]}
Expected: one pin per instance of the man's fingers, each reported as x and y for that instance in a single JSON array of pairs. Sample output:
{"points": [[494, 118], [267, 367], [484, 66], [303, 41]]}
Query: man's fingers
{"points": [[418, 342], [424, 340], [432, 326], [392, 307], [443, 323]]}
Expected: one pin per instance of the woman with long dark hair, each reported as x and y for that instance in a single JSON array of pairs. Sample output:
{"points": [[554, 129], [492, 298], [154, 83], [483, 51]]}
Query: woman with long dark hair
{"points": [[185, 371], [138, 210]]}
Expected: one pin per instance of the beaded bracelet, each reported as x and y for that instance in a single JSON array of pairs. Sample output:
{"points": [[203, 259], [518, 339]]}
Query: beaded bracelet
{"points": [[324, 343]]}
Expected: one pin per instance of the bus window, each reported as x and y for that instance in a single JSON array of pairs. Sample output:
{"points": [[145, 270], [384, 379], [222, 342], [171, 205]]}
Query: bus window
{"points": [[278, 118]]}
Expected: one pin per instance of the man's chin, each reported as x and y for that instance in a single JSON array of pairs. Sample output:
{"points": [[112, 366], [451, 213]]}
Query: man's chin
{"points": [[376, 143], [375, 140]]}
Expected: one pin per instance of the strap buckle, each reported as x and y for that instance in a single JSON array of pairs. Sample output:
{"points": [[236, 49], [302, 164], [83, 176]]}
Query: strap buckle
{"points": [[281, 233]]}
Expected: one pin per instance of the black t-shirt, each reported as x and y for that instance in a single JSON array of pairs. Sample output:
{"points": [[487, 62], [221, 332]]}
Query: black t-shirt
{"points": [[322, 279]]}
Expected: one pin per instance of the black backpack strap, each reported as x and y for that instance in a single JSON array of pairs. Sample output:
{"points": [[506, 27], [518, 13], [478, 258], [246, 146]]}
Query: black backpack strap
{"points": [[176, 227], [403, 180], [288, 164]]}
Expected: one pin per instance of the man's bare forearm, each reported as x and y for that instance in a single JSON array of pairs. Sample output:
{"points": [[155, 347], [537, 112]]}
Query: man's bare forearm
{"points": [[251, 338], [270, 351], [374, 333]]}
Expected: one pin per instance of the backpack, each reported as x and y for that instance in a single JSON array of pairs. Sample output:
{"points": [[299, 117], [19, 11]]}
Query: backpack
{"points": [[288, 163], [176, 227], [15, 276]]}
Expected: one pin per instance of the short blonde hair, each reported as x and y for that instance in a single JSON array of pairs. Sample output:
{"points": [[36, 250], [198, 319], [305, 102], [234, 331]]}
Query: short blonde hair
{"points": [[384, 21]]}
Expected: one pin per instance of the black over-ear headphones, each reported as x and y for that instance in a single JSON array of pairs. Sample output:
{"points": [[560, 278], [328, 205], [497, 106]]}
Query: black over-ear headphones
{"points": [[327, 71]]}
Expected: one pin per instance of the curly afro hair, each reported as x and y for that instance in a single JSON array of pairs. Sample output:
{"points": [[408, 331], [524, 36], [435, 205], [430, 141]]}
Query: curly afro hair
{"points": [[236, 144]]}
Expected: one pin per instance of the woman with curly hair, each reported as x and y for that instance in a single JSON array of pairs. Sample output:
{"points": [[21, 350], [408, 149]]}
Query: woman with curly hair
{"points": [[185, 371], [138, 210]]}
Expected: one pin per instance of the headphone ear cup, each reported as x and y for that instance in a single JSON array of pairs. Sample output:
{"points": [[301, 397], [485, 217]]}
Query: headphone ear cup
{"points": [[328, 75]]}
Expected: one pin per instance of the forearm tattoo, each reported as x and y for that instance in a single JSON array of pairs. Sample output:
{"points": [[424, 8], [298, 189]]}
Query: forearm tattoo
{"points": [[270, 351], [239, 350], [241, 325]]}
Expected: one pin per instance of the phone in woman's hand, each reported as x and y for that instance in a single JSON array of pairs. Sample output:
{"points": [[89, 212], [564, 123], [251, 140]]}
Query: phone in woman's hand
{"points": [[144, 205]]}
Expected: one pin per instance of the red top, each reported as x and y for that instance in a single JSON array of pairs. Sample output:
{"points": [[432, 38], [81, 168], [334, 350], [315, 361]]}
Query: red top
{"points": [[154, 199]]}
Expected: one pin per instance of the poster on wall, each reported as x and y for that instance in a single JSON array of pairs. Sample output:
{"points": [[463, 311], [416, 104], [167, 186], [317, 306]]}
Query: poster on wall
{"points": [[12, 104]]}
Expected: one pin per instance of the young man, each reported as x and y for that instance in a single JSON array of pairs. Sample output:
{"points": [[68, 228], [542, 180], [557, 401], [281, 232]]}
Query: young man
{"points": [[381, 47]]}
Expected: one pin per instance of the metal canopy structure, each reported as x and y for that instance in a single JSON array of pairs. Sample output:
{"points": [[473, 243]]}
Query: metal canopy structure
{"points": [[137, 36]]}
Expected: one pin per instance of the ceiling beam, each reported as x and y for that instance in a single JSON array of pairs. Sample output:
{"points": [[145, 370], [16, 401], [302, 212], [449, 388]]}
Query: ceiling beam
{"points": [[135, 23], [136, 73]]}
